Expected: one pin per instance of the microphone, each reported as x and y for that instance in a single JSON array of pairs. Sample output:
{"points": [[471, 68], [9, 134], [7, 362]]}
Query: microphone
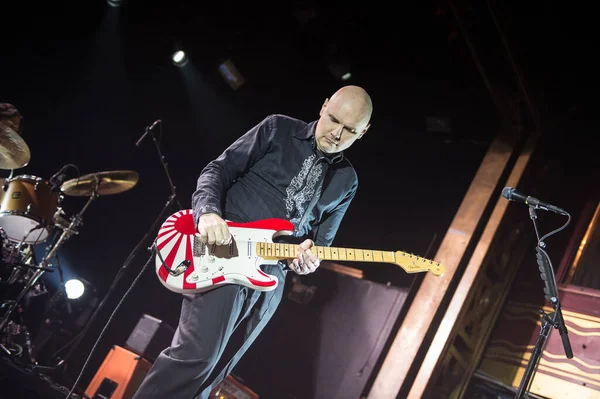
{"points": [[148, 129], [57, 179], [512, 194]]}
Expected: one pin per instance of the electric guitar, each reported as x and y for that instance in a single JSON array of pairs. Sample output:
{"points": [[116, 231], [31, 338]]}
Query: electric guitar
{"points": [[185, 265]]}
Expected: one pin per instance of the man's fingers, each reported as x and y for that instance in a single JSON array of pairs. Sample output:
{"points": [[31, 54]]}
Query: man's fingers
{"points": [[211, 236], [225, 236], [309, 256], [306, 244], [312, 266], [217, 234], [300, 266], [203, 235]]}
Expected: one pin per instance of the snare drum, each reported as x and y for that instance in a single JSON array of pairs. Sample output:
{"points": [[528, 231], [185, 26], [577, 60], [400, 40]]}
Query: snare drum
{"points": [[27, 209]]}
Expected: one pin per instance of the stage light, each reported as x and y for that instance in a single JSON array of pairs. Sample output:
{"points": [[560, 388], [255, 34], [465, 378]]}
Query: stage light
{"points": [[346, 76], [115, 3], [74, 288], [231, 74], [179, 58]]}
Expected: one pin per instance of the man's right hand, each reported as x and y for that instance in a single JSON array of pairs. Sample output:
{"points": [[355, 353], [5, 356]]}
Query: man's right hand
{"points": [[213, 229]]}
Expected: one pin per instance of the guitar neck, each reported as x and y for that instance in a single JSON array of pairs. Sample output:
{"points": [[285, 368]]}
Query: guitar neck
{"points": [[407, 261], [274, 251]]}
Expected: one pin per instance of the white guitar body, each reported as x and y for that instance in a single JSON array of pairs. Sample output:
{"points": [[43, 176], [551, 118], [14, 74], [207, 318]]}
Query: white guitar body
{"points": [[184, 265]]}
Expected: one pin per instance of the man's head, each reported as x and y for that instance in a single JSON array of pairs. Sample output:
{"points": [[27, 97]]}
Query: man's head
{"points": [[10, 117], [344, 119]]}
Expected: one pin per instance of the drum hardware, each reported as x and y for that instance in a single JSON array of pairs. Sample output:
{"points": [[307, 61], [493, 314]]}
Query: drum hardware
{"points": [[44, 265], [33, 267], [92, 185], [20, 260], [60, 221], [16, 338], [28, 204]]}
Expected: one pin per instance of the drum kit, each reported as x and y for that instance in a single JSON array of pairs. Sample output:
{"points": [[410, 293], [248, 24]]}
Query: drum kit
{"points": [[31, 211]]}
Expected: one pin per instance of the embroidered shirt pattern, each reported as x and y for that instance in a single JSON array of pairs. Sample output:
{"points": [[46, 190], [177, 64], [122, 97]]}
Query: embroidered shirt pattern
{"points": [[301, 189]]}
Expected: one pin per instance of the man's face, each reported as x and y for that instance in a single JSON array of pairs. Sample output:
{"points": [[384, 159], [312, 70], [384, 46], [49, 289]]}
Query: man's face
{"points": [[341, 123]]}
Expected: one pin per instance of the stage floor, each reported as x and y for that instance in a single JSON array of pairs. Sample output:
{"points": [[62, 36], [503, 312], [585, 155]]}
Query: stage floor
{"points": [[26, 383]]}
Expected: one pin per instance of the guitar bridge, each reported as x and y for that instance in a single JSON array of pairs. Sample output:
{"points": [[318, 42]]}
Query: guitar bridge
{"points": [[198, 248]]}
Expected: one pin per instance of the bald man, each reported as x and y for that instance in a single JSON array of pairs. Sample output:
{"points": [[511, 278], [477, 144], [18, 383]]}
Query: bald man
{"points": [[281, 168]]}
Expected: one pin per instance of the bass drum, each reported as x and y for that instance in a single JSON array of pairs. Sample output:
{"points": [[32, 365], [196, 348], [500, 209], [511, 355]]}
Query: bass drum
{"points": [[27, 209]]}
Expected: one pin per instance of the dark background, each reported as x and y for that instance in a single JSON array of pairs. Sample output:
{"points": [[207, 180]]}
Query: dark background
{"points": [[88, 79]]}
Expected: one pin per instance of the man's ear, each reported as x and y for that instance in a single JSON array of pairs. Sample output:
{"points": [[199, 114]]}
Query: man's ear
{"points": [[324, 106], [364, 131]]}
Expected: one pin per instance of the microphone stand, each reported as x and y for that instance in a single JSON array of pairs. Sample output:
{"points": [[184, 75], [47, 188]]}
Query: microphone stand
{"points": [[134, 252], [554, 319]]}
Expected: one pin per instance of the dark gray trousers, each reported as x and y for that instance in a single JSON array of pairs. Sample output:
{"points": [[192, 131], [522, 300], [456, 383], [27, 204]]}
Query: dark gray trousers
{"points": [[215, 329]]}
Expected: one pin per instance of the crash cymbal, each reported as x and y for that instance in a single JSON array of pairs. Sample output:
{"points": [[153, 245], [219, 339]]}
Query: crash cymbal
{"points": [[14, 152], [109, 182]]}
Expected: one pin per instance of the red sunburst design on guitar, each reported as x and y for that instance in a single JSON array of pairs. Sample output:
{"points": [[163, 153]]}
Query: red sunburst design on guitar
{"points": [[184, 265]]}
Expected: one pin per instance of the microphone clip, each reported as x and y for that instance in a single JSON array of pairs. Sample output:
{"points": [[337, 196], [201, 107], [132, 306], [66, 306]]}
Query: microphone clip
{"points": [[147, 131]]}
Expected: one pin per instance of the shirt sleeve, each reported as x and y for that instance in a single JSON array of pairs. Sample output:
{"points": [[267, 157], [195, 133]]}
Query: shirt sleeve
{"points": [[326, 230], [219, 174]]}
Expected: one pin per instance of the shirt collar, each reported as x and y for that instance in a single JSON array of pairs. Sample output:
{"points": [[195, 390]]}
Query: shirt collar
{"points": [[308, 133]]}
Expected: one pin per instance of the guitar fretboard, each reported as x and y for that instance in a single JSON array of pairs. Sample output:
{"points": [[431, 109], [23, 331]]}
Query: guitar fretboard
{"points": [[283, 251]]}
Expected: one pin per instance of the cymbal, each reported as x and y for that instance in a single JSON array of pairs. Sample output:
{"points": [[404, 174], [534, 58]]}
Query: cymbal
{"points": [[109, 182], [14, 152]]}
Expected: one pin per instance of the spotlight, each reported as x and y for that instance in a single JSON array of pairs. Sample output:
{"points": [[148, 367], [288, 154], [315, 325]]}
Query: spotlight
{"points": [[179, 58], [231, 74], [340, 71], [74, 288]]}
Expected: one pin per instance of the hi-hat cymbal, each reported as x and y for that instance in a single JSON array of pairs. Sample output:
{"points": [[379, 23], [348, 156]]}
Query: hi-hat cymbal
{"points": [[105, 183], [14, 152]]}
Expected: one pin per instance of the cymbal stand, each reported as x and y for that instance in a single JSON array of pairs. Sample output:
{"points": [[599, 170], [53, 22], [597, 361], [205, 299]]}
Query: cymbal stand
{"points": [[22, 266], [172, 199], [44, 265]]}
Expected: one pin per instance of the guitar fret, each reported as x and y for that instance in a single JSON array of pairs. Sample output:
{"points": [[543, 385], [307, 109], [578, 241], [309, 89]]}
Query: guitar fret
{"points": [[288, 251], [334, 253], [350, 254], [377, 256], [360, 256], [409, 262]]}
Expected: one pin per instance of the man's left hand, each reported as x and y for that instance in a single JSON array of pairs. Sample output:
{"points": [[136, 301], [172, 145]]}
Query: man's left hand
{"points": [[305, 262]]}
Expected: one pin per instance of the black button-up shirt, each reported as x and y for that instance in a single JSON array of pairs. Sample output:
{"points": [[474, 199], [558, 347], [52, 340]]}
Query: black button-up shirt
{"points": [[274, 171]]}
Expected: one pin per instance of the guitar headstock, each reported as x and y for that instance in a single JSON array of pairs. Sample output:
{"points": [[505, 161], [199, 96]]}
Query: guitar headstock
{"points": [[416, 264]]}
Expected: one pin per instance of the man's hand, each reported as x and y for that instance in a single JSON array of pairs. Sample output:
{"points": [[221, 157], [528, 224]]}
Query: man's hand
{"points": [[305, 262], [213, 230]]}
